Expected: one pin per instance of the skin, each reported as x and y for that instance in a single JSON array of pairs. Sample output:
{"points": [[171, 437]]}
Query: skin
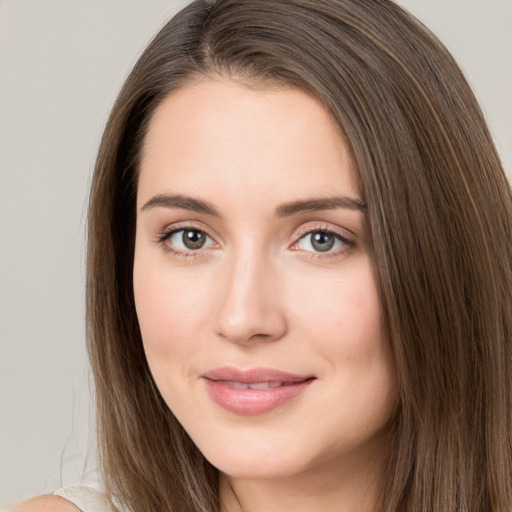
{"points": [[45, 503], [260, 294]]}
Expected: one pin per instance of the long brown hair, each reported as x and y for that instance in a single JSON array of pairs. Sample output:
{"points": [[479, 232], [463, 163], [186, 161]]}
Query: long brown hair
{"points": [[440, 229]]}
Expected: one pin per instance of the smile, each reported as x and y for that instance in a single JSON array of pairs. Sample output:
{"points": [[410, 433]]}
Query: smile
{"points": [[255, 385], [255, 391]]}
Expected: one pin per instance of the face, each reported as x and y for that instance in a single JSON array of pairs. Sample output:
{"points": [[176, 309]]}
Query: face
{"points": [[253, 284]]}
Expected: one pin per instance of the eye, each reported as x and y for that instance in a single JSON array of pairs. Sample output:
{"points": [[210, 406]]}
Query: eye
{"points": [[188, 240], [321, 241]]}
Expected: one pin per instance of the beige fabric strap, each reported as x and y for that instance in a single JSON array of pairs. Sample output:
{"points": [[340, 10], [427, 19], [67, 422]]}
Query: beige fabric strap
{"points": [[87, 499]]}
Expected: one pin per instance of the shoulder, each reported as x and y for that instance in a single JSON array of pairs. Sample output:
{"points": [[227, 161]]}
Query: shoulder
{"points": [[80, 498], [45, 503]]}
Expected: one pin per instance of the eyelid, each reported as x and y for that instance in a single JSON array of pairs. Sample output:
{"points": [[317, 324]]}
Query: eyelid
{"points": [[184, 225], [165, 234], [344, 235]]}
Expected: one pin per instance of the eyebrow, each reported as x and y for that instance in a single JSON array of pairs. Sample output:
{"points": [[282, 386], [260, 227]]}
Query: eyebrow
{"points": [[183, 202], [317, 204], [284, 210]]}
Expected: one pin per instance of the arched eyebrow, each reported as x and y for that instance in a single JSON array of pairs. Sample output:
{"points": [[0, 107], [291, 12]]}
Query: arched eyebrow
{"points": [[183, 202], [284, 210], [317, 204]]}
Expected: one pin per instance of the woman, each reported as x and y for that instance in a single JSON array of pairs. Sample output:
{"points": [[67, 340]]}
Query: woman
{"points": [[299, 270]]}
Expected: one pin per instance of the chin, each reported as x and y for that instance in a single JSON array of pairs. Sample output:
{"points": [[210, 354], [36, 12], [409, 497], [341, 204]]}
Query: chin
{"points": [[266, 452], [258, 459], [257, 468]]}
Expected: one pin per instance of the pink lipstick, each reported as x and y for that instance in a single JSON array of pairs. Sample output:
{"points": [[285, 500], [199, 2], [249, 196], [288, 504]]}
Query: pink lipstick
{"points": [[253, 391]]}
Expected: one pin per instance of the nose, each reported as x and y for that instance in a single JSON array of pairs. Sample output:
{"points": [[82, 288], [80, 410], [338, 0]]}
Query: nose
{"points": [[250, 307]]}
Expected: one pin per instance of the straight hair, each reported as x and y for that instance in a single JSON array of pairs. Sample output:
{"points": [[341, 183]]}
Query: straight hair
{"points": [[439, 218]]}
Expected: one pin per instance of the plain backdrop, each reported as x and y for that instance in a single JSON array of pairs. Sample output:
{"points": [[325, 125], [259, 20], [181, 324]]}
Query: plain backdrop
{"points": [[62, 63]]}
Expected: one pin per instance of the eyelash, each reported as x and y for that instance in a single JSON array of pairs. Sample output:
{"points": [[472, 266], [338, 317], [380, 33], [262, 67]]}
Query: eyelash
{"points": [[347, 242], [168, 232], [164, 237]]}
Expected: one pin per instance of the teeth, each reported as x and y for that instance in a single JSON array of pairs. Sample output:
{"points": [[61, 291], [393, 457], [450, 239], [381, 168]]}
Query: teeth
{"points": [[253, 385], [264, 385], [237, 385]]}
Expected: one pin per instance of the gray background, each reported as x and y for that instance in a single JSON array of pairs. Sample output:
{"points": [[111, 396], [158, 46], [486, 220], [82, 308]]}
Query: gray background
{"points": [[61, 65]]}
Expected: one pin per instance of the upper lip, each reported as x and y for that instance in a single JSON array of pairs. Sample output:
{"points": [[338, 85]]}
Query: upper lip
{"points": [[253, 375]]}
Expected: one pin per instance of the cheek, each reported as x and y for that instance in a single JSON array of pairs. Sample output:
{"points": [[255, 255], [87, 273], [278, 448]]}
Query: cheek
{"points": [[342, 311], [169, 315], [170, 308], [342, 318], [358, 340]]}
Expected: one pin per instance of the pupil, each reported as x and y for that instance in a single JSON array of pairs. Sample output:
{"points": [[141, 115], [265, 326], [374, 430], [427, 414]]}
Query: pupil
{"points": [[193, 239], [322, 242]]}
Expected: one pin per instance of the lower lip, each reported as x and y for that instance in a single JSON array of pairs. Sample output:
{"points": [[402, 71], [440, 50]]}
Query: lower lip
{"points": [[253, 401]]}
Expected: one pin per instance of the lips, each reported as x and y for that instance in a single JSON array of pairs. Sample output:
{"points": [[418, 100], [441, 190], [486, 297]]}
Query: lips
{"points": [[253, 385], [254, 391]]}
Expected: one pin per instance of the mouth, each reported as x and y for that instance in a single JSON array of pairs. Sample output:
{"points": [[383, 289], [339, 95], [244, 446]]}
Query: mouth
{"points": [[254, 391], [256, 385]]}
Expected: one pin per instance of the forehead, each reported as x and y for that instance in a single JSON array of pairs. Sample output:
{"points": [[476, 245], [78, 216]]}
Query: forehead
{"points": [[219, 137]]}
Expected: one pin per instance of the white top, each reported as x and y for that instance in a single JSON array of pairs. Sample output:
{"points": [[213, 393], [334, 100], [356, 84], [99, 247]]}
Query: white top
{"points": [[87, 499]]}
